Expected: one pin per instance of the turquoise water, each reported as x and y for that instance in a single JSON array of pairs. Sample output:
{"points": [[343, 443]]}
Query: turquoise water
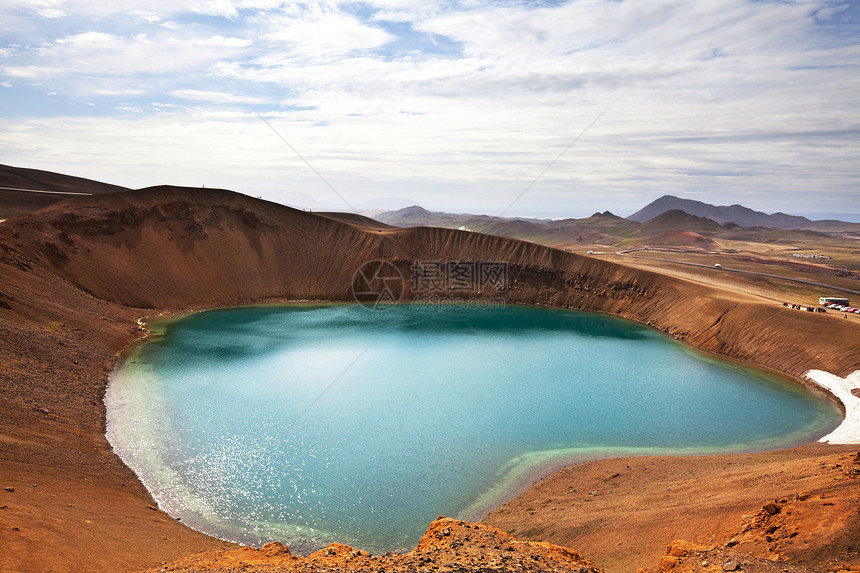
{"points": [[310, 424]]}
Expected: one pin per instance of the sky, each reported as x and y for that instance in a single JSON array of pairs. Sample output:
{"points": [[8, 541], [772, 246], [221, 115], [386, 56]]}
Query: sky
{"points": [[542, 108]]}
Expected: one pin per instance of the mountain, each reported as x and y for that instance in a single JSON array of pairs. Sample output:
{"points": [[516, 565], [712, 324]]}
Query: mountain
{"points": [[600, 227], [678, 220], [417, 216], [738, 214], [26, 190], [36, 179]]}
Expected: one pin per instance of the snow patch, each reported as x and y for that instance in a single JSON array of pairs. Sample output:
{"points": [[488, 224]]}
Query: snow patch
{"points": [[848, 431]]}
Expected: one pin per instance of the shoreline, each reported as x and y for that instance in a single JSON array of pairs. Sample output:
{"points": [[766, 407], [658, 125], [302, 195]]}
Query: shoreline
{"points": [[528, 476]]}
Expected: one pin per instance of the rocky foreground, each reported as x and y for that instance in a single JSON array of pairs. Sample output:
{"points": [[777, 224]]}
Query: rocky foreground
{"points": [[448, 545]]}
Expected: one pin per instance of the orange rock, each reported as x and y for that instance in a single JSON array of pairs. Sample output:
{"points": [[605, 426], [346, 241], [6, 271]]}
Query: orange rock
{"points": [[680, 548], [667, 563], [275, 549]]}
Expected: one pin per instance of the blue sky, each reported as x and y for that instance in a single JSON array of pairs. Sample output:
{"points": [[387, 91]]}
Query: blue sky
{"points": [[456, 105]]}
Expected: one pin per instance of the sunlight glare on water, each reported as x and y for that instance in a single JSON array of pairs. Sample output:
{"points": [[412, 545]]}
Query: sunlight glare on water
{"points": [[318, 423]]}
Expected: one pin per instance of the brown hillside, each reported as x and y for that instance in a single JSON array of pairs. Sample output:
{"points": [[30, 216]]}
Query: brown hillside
{"points": [[674, 220], [681, 239], [23, 178], [75, 277], [14, 181]]}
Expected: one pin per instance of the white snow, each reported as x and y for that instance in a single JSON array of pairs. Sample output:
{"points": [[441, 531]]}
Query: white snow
{"points": [[848, 431]]}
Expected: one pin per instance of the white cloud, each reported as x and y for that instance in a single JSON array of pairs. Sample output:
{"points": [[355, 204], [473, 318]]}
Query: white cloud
{"points": [[44, 8], [109, 92], [325, 34], [51, 12], [105, 55], [89, 39], [731, 95], [87, 10], [30, 72], [223, 8], [129, 108], [262, 4], [404, 10], [216, 97]]}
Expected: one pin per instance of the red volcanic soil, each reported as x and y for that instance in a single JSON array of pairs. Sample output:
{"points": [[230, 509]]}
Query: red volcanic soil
{"points": [[799, 506], [76, 276]]}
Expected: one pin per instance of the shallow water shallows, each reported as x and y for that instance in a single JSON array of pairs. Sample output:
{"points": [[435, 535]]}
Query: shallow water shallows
{"points": [[318, 423]]}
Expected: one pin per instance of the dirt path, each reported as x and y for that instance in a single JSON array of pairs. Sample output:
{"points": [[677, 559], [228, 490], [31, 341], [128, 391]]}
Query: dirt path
{"points": [[69, 193], [754, 273]]}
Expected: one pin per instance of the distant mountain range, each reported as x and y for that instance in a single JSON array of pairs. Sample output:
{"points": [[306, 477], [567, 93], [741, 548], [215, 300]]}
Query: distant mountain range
{"points": [[738, 214], [662, 223], [600, 227]]}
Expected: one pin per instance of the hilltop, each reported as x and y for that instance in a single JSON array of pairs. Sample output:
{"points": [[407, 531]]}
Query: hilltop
{"points": [[26, 190], [39, 180]]}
